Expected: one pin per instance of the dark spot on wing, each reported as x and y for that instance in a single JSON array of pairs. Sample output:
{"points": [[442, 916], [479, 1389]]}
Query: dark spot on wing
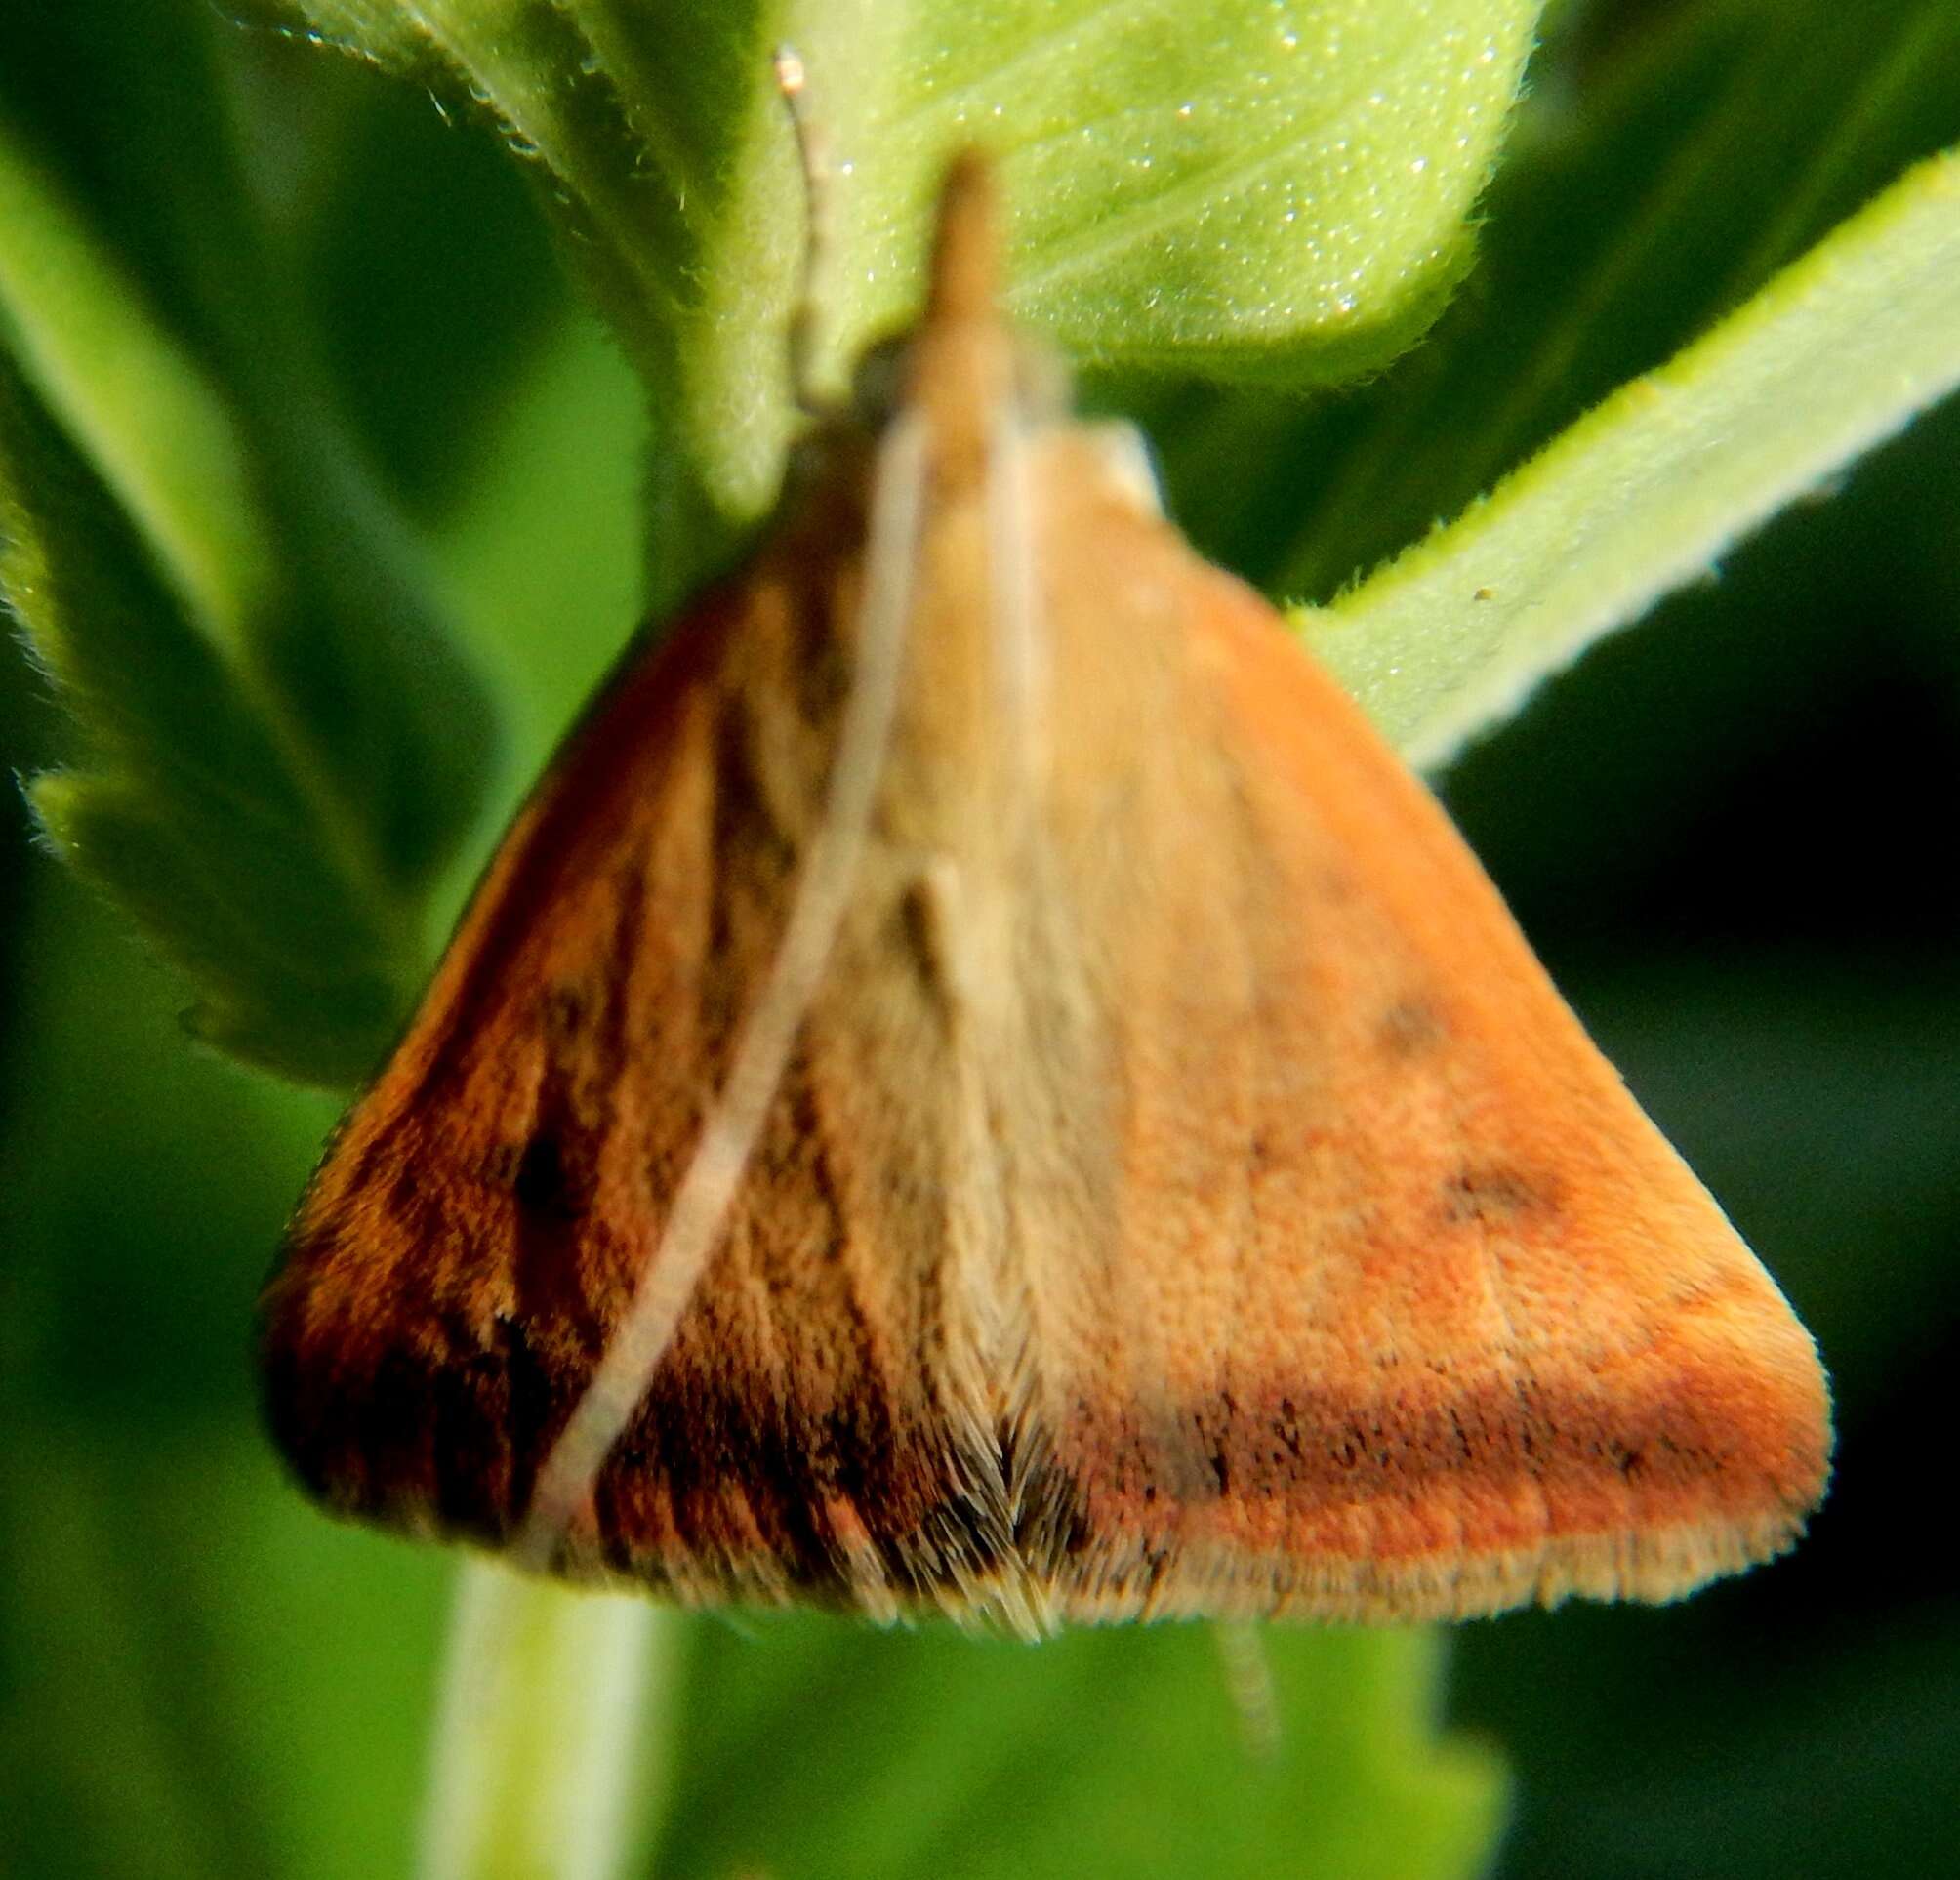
{"points": [[928, 946], [542, 1184], [1409, 1027], [565, 1012], [1493, 1194]]}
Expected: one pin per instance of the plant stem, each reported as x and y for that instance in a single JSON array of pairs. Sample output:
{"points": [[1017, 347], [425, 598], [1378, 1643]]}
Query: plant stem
{"points": [[543, 1764]]}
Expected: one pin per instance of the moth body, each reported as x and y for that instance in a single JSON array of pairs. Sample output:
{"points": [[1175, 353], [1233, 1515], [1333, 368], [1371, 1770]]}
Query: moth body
{"points": [[1181, 1190]]}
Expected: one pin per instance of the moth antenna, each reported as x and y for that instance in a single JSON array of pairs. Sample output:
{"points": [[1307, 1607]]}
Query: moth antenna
{"points": [[699, 1216], [814, 158], [1249, 1682]]}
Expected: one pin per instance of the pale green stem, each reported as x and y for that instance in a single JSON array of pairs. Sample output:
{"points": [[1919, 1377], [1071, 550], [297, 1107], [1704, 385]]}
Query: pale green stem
{"points": [[1645, 493], [550, 1730]]}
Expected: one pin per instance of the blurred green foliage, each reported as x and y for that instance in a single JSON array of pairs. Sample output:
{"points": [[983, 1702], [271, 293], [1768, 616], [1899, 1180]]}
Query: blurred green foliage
{"points": [[1730, 835]]}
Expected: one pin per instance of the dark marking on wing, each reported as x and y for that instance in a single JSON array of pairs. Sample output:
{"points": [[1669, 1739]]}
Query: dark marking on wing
{"points": [[542, 1183], [1410, 1027], [1495, 1193]]}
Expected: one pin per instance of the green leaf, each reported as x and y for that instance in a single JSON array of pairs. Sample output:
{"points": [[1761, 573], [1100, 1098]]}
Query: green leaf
{"points": [[1649, 192], [140, 407], [191, 815], [981, 1758], [1838, 352], [281, 745], [1241, 189]]}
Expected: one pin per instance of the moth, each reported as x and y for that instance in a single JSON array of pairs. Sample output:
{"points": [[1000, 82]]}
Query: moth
{"points": [[979, 1086]]}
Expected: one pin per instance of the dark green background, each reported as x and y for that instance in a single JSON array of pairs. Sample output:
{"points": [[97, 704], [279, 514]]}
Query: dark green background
{"points": [[1731, 833]]}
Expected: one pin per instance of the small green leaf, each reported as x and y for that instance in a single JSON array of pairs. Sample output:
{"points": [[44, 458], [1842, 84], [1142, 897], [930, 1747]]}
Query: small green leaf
{"points": [[280, 746], [190, 815], [1837, 354], [1278, 191]]}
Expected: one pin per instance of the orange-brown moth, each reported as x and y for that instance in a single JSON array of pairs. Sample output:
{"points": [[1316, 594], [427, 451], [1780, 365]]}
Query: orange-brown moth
{"points": [[1027, 1110]]}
